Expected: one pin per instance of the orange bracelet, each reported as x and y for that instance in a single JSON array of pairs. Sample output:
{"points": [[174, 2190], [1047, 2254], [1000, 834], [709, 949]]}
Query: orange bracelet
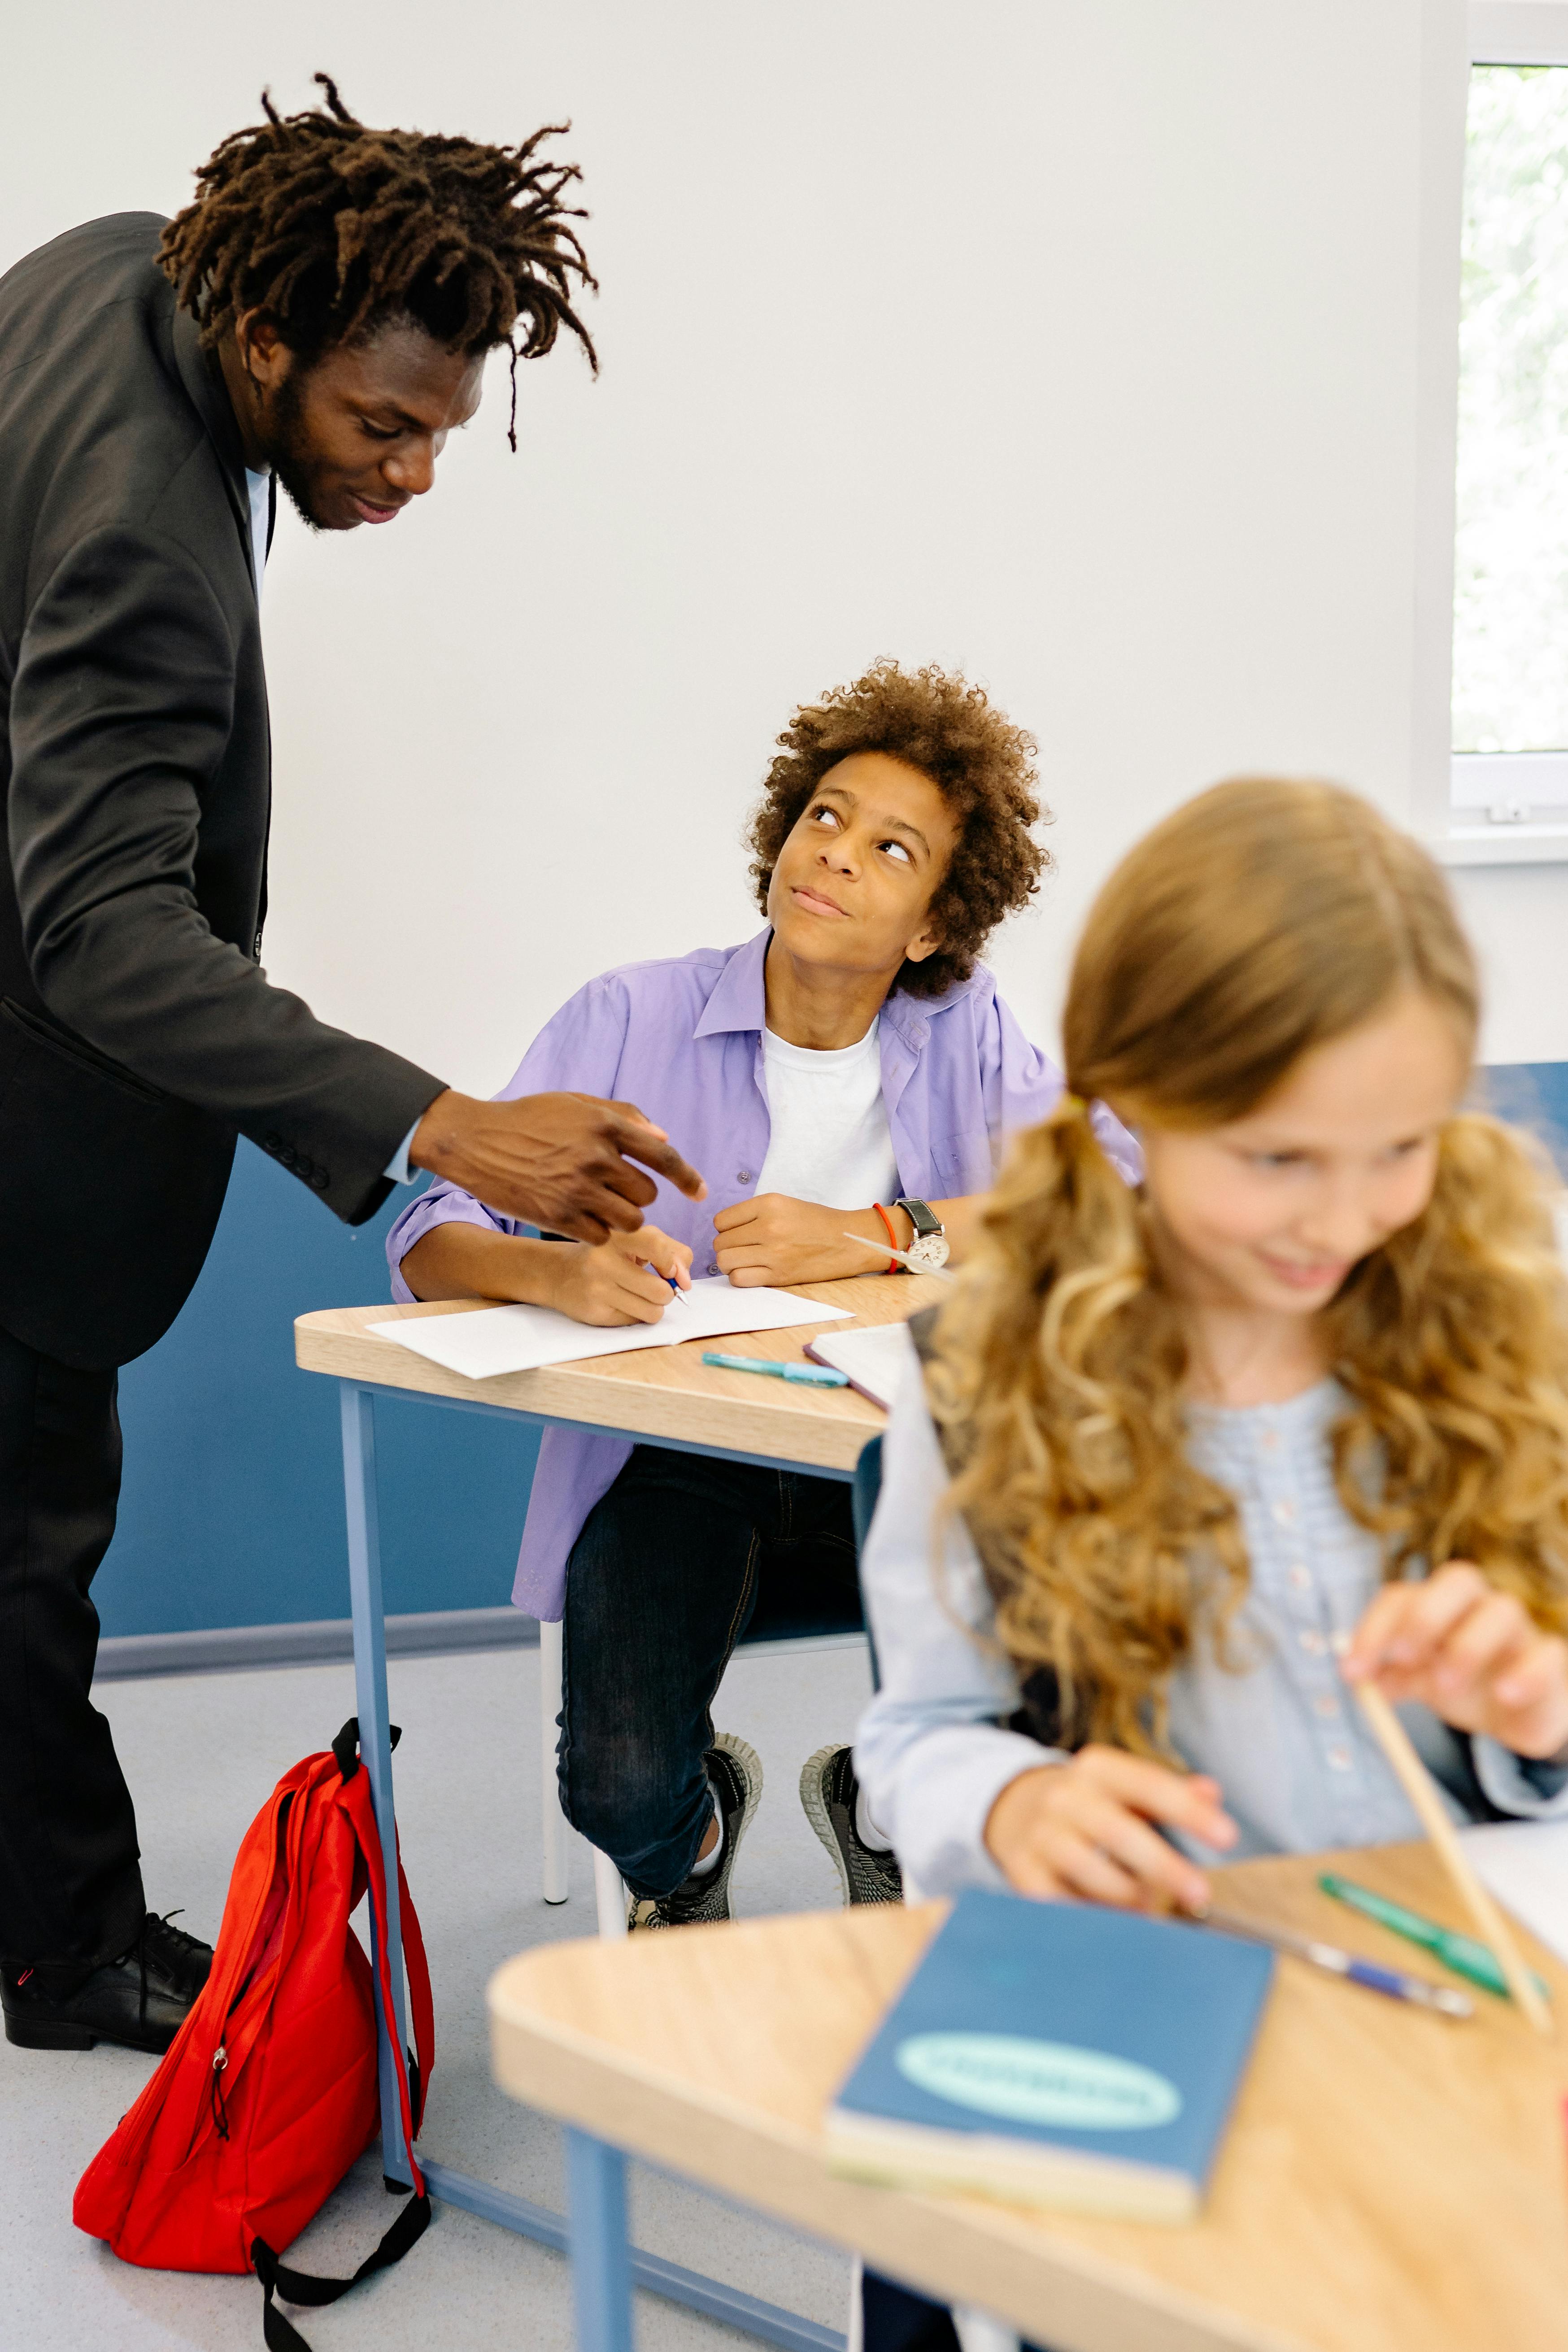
{"points": [[893, 1237]]}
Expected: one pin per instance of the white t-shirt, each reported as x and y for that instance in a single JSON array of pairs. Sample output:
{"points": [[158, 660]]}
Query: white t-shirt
{"points": [[829, 1140]]}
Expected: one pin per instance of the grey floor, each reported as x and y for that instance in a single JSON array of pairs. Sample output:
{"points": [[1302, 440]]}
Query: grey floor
{"points": [[202, 1753]]}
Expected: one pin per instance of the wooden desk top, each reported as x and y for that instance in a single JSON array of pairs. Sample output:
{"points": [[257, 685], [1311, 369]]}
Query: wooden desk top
{"points": [[658, 1392], [1389, 2182]]}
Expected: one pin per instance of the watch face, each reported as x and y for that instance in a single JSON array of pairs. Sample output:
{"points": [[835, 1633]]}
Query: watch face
{"points": [[928, 1249]]}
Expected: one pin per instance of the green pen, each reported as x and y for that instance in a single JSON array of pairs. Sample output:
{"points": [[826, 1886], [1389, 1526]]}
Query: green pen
{"points": [[1464, 1954], [812, 1376]]}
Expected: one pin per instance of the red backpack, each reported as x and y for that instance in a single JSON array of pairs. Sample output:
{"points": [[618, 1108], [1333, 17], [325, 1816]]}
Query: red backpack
{"points": [[267, 2094]]}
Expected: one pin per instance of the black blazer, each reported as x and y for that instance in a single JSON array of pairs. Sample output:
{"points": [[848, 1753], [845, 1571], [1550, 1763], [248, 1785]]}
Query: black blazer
{"points": [[137, 1031]]}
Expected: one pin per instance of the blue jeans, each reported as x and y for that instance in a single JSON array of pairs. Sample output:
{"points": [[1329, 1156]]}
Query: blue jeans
{"points": [[680, 1558], [896, 2319]]}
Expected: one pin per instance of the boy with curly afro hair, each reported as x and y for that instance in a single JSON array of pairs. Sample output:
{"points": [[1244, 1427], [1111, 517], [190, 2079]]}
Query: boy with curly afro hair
{"points": [[979, 762], [845, 1080]]}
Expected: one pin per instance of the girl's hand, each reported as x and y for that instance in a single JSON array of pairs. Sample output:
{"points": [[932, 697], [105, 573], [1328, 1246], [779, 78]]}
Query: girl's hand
{"points": [[611, 1284], [1083, 1828], [1471, 1653]]}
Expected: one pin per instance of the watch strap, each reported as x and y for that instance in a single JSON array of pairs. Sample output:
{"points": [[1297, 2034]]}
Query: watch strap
{"points": [[922, 1216]]}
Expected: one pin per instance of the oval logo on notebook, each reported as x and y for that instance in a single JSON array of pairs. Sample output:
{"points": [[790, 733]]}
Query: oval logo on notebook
{"points": [[1029, 2082]]}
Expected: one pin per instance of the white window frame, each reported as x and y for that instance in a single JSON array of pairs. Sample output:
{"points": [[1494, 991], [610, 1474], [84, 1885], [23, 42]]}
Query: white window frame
{"points": [[1479, 828]]}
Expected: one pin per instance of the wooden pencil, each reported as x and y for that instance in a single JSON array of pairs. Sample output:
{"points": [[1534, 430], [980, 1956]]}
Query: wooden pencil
{"points": [[1422, 1792]]}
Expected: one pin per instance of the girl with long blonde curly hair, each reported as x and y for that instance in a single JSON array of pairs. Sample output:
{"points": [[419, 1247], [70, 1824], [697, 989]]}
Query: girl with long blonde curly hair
{"points": [[1189, 1457]]}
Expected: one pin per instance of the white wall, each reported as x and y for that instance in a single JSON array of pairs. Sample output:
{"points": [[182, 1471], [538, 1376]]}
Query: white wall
{"points": [[1079, 340]]}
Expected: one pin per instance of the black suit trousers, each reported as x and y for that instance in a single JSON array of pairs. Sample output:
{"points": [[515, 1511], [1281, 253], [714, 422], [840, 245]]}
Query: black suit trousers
{"points": [[70, 1882]]}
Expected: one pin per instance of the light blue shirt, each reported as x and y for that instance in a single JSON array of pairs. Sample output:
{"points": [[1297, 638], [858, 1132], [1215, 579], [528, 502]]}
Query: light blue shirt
{"points": [[397, 1167], [260, 486], [1283, 1737]]}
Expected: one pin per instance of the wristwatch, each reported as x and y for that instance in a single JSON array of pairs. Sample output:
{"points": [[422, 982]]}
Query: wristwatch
{"points": [[930, 1246]]}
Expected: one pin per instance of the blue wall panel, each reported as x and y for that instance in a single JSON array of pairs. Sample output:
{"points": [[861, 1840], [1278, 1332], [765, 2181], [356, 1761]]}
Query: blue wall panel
{"points": [[1532, 1094], [231, 1512]]}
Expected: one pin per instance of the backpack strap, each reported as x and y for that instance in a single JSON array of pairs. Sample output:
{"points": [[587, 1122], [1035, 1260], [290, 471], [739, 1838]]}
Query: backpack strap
{"points": [[423, 2061], [299, 2286]]}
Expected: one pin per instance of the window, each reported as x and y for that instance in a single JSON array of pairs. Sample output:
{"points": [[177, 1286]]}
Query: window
{"points": [[1509, 713]]}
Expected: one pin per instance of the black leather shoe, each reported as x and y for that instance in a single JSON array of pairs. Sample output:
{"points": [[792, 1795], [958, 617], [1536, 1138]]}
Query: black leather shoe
{"points": [[141, 1999]]}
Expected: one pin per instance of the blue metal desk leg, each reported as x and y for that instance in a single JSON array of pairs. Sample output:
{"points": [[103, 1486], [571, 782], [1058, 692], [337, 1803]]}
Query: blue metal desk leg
{"points": [[601, 2264], [604, 2265], [374, 1733]]}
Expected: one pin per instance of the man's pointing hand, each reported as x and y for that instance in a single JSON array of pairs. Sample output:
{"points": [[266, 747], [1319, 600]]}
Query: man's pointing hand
{"points": [[560, 1162]]}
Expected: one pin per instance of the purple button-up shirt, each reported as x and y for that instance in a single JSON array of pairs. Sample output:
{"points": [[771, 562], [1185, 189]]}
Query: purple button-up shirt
{"points": [[683, 1040]]}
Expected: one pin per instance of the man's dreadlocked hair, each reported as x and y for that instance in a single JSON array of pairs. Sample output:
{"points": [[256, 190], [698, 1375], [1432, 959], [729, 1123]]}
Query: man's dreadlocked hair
{"points": [[332, 228]]}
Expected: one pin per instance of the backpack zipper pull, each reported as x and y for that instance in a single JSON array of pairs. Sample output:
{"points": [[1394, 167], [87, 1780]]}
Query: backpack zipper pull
{"points": [[220, 2112]]}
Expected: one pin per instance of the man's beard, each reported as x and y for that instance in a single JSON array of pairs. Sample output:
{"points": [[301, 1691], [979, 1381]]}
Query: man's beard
{"points": [[288, 445]]}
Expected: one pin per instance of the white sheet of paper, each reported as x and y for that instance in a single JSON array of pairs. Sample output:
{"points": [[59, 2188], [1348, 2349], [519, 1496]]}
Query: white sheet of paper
{"points": [[1525, 1864], [495, 1339]]}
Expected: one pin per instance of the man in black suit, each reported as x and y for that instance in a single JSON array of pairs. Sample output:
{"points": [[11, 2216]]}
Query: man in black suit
{"points": [[317, 317]]}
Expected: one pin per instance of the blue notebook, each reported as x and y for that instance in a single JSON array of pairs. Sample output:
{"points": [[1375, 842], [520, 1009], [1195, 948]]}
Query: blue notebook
{"points": [[1056, 2053]]}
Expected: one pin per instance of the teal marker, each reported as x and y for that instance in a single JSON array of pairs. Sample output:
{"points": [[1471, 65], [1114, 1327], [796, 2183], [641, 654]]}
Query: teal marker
{"points": [[1463, 1953], [816, 1376]]}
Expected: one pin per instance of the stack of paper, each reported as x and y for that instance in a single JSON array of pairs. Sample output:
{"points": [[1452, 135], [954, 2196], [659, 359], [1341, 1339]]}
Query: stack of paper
{"points": [[495, 1339]]}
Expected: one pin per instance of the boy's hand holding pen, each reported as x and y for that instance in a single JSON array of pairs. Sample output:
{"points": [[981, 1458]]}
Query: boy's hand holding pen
{"points": [[631, 1278], [670, 1261]]}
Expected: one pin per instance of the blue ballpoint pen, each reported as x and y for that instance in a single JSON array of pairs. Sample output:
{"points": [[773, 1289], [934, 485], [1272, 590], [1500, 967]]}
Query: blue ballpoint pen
{"points": [[813, 1376], [1395, 1982]]}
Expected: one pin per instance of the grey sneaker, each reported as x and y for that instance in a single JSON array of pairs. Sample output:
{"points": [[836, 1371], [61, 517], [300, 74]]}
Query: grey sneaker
{"points": [[828, 1790], [736, 1773]]}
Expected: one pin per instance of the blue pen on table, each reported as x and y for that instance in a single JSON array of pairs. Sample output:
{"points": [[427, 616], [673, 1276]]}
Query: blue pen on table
{"points": [[1395, 1982], [813, 1376]]}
